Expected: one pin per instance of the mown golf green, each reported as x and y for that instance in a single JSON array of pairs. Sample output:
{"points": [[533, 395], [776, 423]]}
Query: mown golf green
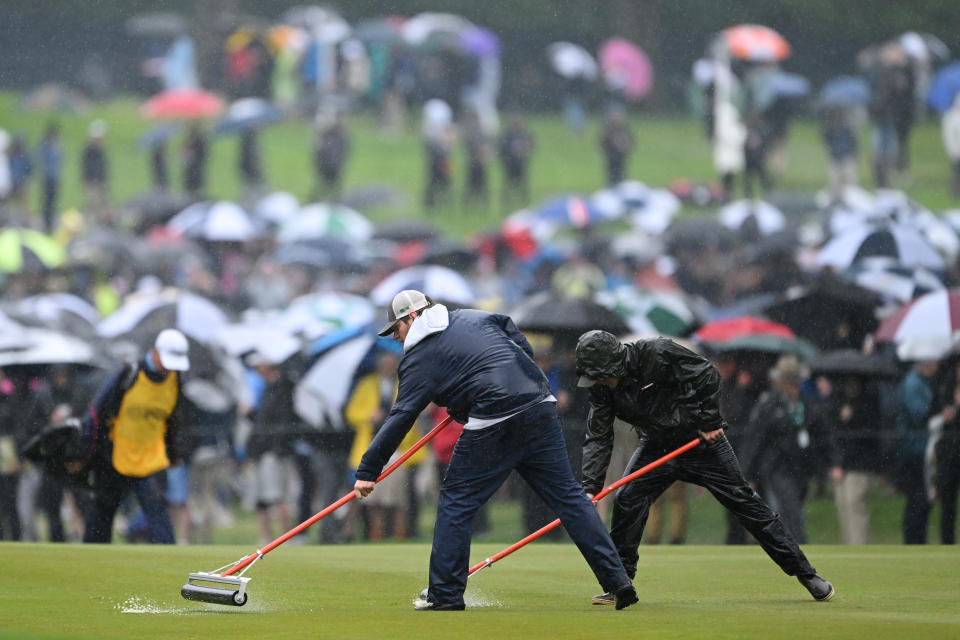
{"points": [[542, 591]]}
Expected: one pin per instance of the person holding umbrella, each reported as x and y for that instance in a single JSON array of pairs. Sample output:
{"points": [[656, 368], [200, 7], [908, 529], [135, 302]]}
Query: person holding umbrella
{"points": [[670, 395], [480, 367]]}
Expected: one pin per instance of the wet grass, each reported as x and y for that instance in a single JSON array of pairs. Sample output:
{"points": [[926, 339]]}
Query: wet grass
{"points": [[543, 591]]}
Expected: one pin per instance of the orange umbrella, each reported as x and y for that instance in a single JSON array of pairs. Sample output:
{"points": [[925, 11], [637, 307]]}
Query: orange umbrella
{"points": [[756, 43]]}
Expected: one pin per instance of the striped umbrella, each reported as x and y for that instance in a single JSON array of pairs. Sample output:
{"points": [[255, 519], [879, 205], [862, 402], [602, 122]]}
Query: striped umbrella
{"points": [[935, 316], [893, 282], [440, 283], [325, 220], [903, 243], [650, 312]]}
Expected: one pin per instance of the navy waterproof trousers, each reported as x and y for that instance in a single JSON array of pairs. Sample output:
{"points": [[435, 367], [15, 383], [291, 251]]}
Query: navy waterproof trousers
{"points": [[532, 443]]}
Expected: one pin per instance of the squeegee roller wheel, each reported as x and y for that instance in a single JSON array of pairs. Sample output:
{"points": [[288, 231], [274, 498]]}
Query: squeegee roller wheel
{"points": [[213, 595]]}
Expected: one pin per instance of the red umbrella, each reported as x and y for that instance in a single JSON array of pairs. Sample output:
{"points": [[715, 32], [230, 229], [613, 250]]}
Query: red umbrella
{"points": [[732, 328], [755, 43], [189, 103]]}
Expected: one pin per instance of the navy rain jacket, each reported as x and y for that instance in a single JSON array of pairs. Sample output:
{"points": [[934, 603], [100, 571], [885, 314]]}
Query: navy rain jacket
{"points": [[479, 365]]}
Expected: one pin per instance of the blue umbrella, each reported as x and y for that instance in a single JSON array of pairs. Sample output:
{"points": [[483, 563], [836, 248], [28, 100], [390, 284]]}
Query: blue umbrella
{"points": [[845, 91], [573, 211], [157, 135], [944, 88], [248, 113]]}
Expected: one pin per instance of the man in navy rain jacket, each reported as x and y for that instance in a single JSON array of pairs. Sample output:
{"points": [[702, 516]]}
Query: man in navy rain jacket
{"points": [[480, 367]]}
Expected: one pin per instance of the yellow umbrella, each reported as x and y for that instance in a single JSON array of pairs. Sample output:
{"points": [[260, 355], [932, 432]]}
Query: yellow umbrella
{"points": [[21, 248]]}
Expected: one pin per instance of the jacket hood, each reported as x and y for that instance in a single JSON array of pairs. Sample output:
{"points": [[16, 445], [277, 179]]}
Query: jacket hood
{"points": [[600, 355], [433, 320]]}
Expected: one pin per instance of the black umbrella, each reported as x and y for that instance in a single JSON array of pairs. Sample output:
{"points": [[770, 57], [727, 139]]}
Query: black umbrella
{"points": [[850, 362], [547, 312], [829, 312]]}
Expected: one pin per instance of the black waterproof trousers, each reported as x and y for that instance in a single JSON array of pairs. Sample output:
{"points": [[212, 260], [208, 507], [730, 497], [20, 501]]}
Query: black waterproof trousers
{"points": [[715, 467]]}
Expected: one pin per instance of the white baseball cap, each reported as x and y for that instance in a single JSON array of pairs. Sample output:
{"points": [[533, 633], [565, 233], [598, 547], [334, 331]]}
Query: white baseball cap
{"points": [[171, 346], [403, 304]]}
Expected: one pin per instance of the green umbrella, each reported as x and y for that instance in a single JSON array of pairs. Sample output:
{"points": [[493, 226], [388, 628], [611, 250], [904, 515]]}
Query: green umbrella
{"points": [[767, 343], [21, 249], [650, 312]]}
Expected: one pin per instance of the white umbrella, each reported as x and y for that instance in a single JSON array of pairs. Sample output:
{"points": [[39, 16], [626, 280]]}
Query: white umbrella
{"points": [[195, 316], [325, 24], [42, 346], [320, 396], [277, 207], [316, 314], [221, 221], [893, 282], [325, 220], [769, 219], [572, 61], [440, 283], [420, 27], [904, 244]]}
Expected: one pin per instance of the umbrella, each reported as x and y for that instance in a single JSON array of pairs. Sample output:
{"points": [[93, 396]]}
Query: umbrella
{"points": [[934, 316], [316, 314], [143, 315], [440, 283], [650, 312], [572, 61], [324, 253], [625, 66], [424, 26], [545, 312], [569, 211], [480, 42], [754, 43], [277, 207], [221, 221], [320, 396], [388, 30], [850, 362], [892, 281], [769, 85], [747, 333], [845, 91], [944, 88], [925, 47], [904, 244], [182, 103], [324, 24], [45, 347], [325, 220], [28, 250], [275, 343], [248, 113], [406, 230], [58, 311], [767, 218], [801, 308], [156, 135]]}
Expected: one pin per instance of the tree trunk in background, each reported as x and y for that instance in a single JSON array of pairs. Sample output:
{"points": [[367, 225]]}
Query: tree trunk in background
{"points": [[210, 18], [639, 22]]}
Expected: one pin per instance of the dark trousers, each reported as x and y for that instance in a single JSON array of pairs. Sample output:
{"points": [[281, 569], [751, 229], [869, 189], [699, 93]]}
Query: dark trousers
{"points": [[49, 499], [9, 516], [714, 467], [916, 511], [111, 489], [948, 486], [790, 492], [532, 443], [49, 205]]}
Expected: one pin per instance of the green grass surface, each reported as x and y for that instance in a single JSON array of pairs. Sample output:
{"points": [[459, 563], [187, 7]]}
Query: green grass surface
{"points": [[668, 146], [542, 591]]}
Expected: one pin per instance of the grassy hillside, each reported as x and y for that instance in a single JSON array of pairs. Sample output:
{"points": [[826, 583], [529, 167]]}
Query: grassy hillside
{"points": [[564, 161]]}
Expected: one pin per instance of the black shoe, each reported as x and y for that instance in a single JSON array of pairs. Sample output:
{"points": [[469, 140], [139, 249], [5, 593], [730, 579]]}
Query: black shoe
{"points": [[820, 589], [626, 596], [605, 598]]}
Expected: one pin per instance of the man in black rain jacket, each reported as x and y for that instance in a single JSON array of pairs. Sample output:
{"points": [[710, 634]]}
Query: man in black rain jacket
{"points": [[480, 367], [670, 395]]}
